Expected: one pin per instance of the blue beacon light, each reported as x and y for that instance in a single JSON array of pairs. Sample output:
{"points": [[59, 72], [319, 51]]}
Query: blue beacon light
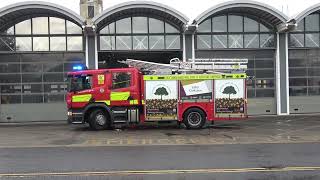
{"points": [[77, 68]]}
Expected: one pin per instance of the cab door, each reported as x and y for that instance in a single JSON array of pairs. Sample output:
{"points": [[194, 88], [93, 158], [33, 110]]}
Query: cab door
{"points": [[123, 88]]}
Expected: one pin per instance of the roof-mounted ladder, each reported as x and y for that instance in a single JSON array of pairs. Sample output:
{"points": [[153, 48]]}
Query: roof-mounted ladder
{"points": [[191, 66]]}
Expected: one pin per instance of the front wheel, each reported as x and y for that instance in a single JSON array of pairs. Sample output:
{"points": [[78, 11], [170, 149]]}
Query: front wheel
{"points": [[194, 118], [98, 120]]}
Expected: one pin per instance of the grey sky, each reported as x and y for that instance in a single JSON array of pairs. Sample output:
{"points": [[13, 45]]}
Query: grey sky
{"points": [[190, 8]]}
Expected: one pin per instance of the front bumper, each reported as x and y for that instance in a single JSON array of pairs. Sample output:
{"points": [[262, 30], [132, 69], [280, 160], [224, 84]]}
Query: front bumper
{"points": [[75, 116]]}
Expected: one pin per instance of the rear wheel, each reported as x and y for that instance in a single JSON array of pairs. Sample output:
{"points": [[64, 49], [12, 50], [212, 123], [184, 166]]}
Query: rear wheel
{"points": [[99, 120], [194, 118]]}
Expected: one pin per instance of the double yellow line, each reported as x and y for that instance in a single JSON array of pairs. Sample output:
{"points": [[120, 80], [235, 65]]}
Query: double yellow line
{"points": [[148, 172]]}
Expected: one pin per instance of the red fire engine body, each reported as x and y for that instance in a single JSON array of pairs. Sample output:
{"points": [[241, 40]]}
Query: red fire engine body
{"points": [[105, 97]]}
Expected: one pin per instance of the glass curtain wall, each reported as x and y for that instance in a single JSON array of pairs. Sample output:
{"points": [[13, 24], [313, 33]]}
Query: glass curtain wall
{"points": [[304, 65], [139, 33], [35, 55], [241, 36], [234, 32]]}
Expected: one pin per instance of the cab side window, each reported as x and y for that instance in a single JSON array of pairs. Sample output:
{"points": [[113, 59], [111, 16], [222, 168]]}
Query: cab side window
{"points": [[121, 80]]}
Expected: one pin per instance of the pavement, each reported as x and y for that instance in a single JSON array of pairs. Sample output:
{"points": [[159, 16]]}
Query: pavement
{"points": [[260, 148], [268, 129]]}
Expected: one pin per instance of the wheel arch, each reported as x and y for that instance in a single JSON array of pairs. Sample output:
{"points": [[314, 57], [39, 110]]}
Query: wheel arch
{"points": [[93, 106], [197, 107]]}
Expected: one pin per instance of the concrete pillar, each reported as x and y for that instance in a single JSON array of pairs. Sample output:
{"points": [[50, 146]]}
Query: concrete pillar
{"points": [[91, 52], [282, 74], [188, 45]]}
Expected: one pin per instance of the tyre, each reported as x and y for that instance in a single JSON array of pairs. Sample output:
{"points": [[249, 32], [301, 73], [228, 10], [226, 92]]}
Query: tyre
{"points": [[99, 120], [194, 118]]}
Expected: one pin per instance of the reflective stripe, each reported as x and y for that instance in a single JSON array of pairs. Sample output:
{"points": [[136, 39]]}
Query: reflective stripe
{"points": [[119, 96], [134, 102], [106, 102], [194, 76], [81, 98]]}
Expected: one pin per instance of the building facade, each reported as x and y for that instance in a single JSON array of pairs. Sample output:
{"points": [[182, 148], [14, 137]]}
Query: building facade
{"points": [[40, 42]]}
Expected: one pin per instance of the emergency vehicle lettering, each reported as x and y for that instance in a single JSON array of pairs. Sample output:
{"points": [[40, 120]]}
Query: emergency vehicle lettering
{"points": [[193, 77]]}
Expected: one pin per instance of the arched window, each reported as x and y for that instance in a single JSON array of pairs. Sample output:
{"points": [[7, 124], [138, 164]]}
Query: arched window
{"points": [[234, 31], [42, 34], [307, 33], [139, 33]]}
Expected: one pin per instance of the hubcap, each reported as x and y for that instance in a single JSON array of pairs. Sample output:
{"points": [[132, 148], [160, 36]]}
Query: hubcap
{"points": [[194, 118], [101, 119]]}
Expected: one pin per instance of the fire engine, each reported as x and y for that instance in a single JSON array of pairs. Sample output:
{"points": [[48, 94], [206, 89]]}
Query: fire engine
{"points": [[192, 92]]}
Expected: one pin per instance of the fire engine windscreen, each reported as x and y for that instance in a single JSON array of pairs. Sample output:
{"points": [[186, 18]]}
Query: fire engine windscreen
{"points": [[79, 83]]}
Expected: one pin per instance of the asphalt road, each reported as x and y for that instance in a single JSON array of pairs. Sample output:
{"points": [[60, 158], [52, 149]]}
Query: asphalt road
{"points": [[299, 161]]}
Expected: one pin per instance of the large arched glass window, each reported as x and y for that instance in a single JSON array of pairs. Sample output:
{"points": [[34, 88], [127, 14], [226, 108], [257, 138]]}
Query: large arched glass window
{"points": [[307, 33], [304, 60], [42, 34], [35, 56], [234, 31], [139, 33]]}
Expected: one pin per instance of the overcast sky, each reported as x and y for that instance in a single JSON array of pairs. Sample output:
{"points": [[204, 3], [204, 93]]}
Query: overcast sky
{"points": [[191, 8]]}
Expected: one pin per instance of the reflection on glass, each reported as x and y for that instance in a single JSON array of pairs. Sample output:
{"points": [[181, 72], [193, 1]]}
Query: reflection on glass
{"points": [[170, 29], [73, 28], [23, 44], [300, 26], [250, 25], [9, 68], [32, 99], [156, 26], [123, 25], [109, 29], [172, 42], [36, 77], [10, 78], [24, 27], [10, 99], [139, 25], [53, 98], [10, 89], [32, 88], [263, 28], [74, 43], [57, 43], [140, 42], [7, 43], [57, 26], [35, 67], [251, 40], [205, 26], [123, 42], [296, 40], [53, 67], [41, 44], [236, 41], [53, 77], [219, 24], [156, 42], [267, 41], [9, 31], [219, 41], [312, 39], [203, 41], [40, 25], [235, 23], [107, 43], [312, 22]]}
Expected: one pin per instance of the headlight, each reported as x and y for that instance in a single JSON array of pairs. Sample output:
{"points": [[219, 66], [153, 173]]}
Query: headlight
{"points": [[69, 113]]}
